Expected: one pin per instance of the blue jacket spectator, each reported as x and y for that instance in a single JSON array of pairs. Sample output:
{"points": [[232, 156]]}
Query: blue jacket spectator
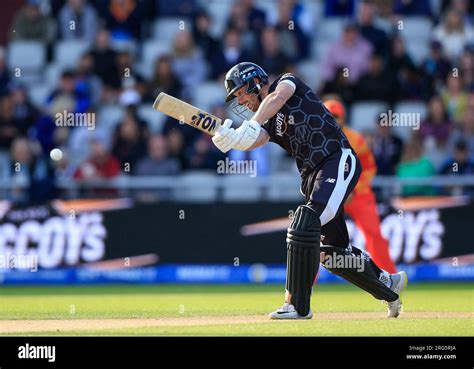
{"points": [[412, 7], [339, 8]]}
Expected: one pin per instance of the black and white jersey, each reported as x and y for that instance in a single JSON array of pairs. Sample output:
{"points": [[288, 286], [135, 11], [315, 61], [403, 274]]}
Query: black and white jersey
{"points": [[304, 127]]}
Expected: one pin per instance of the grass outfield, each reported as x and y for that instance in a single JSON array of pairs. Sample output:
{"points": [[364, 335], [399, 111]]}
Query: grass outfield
{"points": [[429, 309]]}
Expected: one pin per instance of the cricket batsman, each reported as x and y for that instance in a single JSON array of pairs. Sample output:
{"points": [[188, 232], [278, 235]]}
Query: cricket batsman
{"points": [[361, 205], [288, 113]]}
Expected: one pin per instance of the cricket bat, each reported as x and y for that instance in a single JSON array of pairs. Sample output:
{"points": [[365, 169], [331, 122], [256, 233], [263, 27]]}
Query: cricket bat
{"points": [[186, 113]]}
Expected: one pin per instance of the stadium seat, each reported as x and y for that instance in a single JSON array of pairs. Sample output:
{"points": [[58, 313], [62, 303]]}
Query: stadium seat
{"points": [[124, 45], [38, 94], [28, 56], [331, 29], [53, 73], [109, 116], [409, 107], [209, 94], [197, 186], [363, 115], [215, 9], [416, 28], [241, 188], [417, 50], [319, 48], [165, 29], [309, 72], [154, 119], [152, 50], [68, 53]]}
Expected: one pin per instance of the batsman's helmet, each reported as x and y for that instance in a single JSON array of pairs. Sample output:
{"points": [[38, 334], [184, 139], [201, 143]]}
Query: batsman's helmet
{"points": [[244, 74]]}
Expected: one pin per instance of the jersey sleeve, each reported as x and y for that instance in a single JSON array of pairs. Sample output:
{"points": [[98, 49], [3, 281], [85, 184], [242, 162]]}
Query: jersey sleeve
{"points": [[290, 79]]}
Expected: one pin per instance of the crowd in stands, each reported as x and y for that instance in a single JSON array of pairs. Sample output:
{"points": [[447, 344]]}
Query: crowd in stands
{"points": [[370, 61]]}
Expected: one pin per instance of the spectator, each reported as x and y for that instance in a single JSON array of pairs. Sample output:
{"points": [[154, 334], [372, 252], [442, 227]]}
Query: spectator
{"points": [[202, 35], [454, 97], [437, 125], [339, 8], [340, 86], [163, 80], [387, 149], [465, 7], [123, 18], [127, 77], [293, 24], [188, 62], [87, 83], [376, 84], [407, 78], [231, 53], [376, 36], [467, 67], [26, 165], [104, 56], [24, 113], [67, 88], [248, 21], [415, 165], [202, 154], [78, 21], [129, 142], [465, 132], [175, 138], [453, 33], [4, 73], [101, 163], [461, 162], [158, 163], [46, 125], [9, 124], [412, 7], [435, 67], [271, 58], [351, 52], [29, 24]]}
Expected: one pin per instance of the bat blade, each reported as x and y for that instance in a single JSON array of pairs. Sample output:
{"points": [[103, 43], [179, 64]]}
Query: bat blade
{"points": [[187, 113]]}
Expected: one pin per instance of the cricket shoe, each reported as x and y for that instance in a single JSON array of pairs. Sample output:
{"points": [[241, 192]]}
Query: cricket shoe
{"points": [[288, 311], [399, 283]]}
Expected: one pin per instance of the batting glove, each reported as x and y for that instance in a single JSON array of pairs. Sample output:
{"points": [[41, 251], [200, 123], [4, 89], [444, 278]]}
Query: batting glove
{"points": [[226, 137], [248, 133]]}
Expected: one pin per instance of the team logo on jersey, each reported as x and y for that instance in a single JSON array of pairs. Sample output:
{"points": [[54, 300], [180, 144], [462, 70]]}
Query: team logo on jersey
{"points": [[280, 124]]}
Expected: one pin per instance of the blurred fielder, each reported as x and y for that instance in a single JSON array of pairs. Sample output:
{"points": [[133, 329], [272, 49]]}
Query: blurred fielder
{"points": [[361, 205], [288, 113]]}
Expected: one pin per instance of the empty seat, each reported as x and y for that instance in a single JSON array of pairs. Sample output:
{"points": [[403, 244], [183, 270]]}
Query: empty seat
{"points": [[154, 119], [417, 50], [309, 72], [53, 73], [331, 29], [165, 29], [152, 50], [38, 94], [209, 94], [26, 57], [68, 53], [319, 47], [415, 28], [109, 116], [364, 115]]}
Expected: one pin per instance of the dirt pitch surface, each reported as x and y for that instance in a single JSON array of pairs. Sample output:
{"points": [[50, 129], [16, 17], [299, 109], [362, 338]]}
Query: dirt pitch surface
{"points": [[23, 326]]}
